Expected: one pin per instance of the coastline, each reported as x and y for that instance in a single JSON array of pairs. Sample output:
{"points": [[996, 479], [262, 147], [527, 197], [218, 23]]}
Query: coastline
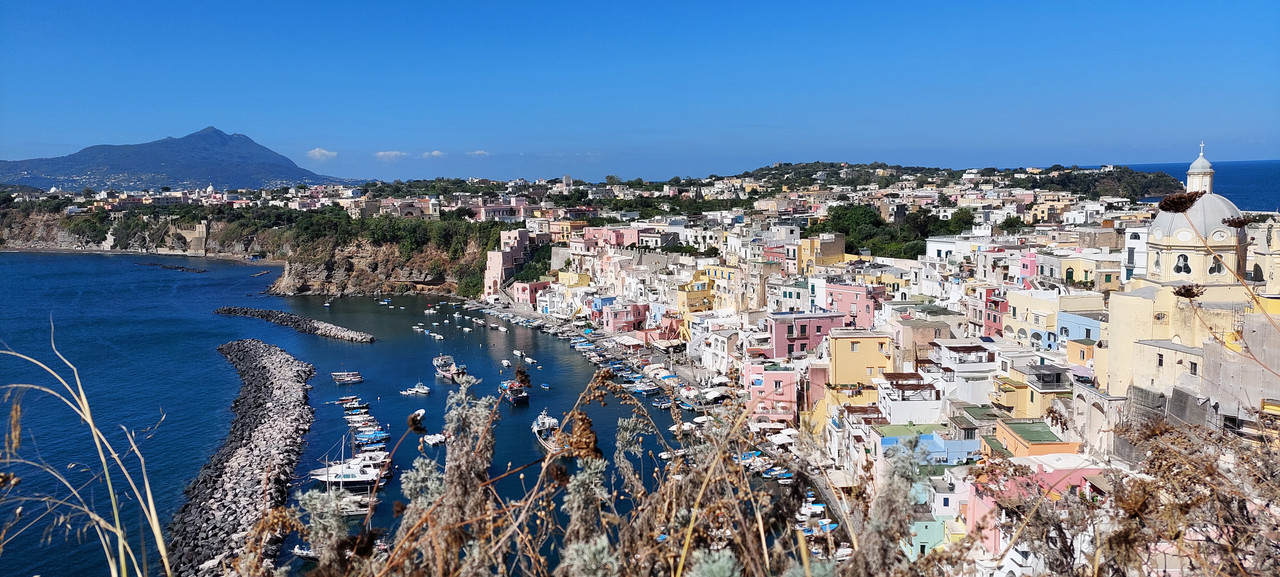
{"points": [[217, 256]]}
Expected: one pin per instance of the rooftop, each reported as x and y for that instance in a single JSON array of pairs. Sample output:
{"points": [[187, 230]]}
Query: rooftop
{"points": [[907, 430], [1032, 430]]}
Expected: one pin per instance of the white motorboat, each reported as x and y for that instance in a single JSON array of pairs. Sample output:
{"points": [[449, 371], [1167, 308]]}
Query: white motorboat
{"points": [[418, 389], [506, 363], [530, 361], [544, 429], [466, 329], [517, 353], [347, 377], [437, 336], [348, 474], [503, 329]]}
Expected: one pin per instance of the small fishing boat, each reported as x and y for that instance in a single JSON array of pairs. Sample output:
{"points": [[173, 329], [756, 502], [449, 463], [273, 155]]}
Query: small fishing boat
{"points": [[493, 326], [445, 367], [437, 336], [546, 387], [648, 389], [418, 389], [663, 402], [306, 553], [347, 377], [545, 428], [513, 392], [503, 329], [530, 361], [344, 399], [517, 352], [434, 440], [506, 363], [356, 404], [466, 329]]}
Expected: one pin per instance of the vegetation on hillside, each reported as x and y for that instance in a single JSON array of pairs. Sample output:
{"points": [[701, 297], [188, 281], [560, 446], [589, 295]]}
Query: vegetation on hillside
{"points": [[864, 228]]}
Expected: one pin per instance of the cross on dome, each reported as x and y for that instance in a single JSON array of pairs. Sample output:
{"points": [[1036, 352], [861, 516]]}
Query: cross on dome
{"points": [[1201, 148]]}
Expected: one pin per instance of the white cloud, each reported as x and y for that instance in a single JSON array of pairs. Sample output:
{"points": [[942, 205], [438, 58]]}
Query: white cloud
{"points": [[320, 154], [478, 153], [433, 154], [390, 155]]}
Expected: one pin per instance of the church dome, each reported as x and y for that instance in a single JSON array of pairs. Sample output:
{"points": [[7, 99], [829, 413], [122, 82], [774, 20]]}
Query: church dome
{"points": [[1206, 215], [1201, 164]]}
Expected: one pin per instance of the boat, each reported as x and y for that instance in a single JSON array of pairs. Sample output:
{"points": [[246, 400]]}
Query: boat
{"points": [[356, 404], [546, 387], [344, 399], [663, 402], [506, 363], [418, 389], [437, 336], [493, 326], [445, 367], [503, 329], [544, 429], [530, 361], [306, 553], [513, 392], [466, 329], [347, 377], [349, 475], [418, 329], [648, 389], [517, 353], [434, 440]]}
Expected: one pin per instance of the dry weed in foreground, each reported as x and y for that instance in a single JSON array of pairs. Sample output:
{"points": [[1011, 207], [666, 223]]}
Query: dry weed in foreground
{"points": [[71, 509]]}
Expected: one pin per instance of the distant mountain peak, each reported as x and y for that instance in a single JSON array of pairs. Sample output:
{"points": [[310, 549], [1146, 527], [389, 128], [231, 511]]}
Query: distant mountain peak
{"points": [[195, 160]]}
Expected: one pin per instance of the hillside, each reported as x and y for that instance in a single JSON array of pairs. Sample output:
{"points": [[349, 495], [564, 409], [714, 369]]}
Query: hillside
{"points": [[196, 160]]}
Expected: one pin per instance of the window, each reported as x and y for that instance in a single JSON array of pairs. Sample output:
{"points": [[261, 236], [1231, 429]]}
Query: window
{"points": [[870, 371], [791, 330], [1155, 262], [853, 347], [881, 370], [1082, 354], [817, 330], [791, 349], [946, 501], [1088, 333], [1183, 266], [802, 346], [1031, 396], [777, 385], [1107, 278], [1195, 368], [1065, 333], [1159, 360], [804, 330], [881, 347], [1217, 268]]}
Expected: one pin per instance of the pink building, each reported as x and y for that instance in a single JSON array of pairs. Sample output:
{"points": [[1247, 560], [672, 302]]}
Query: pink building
{"points": [[858, 303], [612, 236], [796, 333], [624, 317], [526, 293], [1055, 474], [1026, 267], [499, 266], [772, 389]]}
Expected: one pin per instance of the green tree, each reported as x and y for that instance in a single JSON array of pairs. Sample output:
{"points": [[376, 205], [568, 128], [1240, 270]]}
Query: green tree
{"points": [[1013, 224]]}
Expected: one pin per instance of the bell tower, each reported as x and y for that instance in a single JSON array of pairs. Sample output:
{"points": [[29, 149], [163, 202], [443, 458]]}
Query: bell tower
{"points": [[1200, 175]]}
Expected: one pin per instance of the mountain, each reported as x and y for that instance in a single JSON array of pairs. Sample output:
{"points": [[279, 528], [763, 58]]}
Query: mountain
{"points": [[196, 160]]}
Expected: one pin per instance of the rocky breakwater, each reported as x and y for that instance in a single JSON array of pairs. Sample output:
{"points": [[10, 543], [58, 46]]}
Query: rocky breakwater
{"points": [[250, 473], [299, 323]]}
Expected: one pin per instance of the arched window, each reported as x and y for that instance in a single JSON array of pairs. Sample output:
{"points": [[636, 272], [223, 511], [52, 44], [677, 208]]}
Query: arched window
{"points": [[1134, 236], [1155, 262], [1071, 274], [1217, 268]]}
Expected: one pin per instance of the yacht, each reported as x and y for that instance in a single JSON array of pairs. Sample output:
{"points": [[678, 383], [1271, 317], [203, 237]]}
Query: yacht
{"points": [[418, 389]]}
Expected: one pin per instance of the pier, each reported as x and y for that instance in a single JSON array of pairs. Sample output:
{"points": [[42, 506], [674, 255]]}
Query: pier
{"points": [[250, 473], [299, 323]]}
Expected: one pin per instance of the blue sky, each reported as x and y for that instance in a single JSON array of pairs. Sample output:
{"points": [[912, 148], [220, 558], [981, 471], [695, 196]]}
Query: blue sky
{"points": [[647, 89]]}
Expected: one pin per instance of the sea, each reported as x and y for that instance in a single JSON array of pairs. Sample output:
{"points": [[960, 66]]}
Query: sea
{"points": [[1250, 184], [143, 340]]}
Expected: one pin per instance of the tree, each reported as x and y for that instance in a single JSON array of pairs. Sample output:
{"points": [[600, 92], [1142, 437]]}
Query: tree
{"points": [[1013, 224], [612, 179], [463, 213]]}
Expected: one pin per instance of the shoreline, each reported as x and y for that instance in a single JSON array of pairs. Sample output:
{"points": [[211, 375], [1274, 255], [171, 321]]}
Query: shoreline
{"points": [[218, 256]]}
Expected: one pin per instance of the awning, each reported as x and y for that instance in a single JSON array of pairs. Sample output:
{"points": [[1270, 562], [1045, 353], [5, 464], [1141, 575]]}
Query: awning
{"points": [[720, 379], [780, 439], [757, 427], [840, 479], [627, 341]]}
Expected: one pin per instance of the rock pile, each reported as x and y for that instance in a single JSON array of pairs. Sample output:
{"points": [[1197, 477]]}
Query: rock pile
{"points": [[250, 473], [299, 323]]}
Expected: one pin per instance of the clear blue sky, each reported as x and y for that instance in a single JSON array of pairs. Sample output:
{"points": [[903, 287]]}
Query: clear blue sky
{"points": [[649, 89]]}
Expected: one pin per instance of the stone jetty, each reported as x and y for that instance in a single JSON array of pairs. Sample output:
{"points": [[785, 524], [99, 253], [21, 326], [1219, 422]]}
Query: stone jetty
{"points": [[299, 323], [250, 473]]}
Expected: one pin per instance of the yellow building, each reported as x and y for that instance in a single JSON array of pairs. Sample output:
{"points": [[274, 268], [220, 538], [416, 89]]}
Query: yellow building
{"points": [[1030, 390], [573, 279], [695, 296], [1098, 272], [825, 249], [563, 230], [1032, 320], [728, 286], [1154, 338], [857, 356]]}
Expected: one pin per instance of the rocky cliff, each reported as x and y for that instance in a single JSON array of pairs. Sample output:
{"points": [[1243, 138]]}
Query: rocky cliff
{"points": [[362, 268]]}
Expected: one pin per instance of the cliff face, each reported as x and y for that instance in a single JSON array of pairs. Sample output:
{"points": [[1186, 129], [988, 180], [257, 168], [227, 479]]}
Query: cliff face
{"points": [[362, 268], [128, 233]]}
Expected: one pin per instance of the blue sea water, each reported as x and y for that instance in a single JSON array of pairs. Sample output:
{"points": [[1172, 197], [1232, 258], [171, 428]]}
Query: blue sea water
{"points": [[144, 341], [1251, 184]]}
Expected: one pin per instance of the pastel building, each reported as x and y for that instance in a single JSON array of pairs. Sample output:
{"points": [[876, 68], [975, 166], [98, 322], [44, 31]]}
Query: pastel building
{"points": [[797, 333], [773, 389]]}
